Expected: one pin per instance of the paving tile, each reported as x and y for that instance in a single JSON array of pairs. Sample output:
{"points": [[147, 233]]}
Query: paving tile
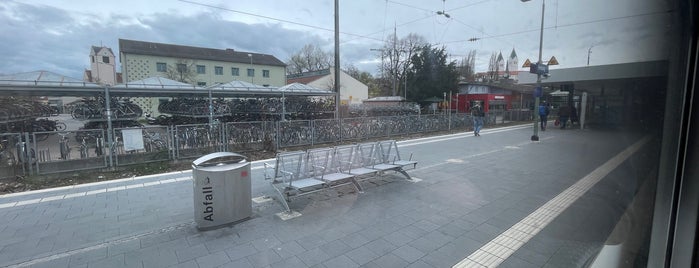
{"points": [[515, 262], [191, 253], [380, 246], [430, 241], [311, 241], [213, 260], [240, 263], [187, 264], [408, 253], [113, 261], [335, 248], [398, 238], [341, 261], [355, 240], [426, 225], [264, 258], [388, 261], [266, 243], [291, 262], [420, 264], [313, 256], [119, 248], [85, 257], [289, 249], [241, 251], [361, 255]]}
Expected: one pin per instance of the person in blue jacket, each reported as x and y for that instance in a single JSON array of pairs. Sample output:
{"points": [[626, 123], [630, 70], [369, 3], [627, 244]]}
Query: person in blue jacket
{"points": [[544, 111]]}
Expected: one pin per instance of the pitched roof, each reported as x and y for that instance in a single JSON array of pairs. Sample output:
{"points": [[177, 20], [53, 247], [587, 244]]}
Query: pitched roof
{"points": [[307, 77], [513, 54], [96, 49], [500, 56], [177, 51]]}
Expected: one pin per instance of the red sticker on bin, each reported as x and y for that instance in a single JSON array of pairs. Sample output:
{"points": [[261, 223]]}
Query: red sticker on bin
{"points": [[244, 173]]}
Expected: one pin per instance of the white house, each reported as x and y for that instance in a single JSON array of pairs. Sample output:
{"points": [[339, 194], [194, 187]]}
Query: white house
{"points": [[352, 91]]}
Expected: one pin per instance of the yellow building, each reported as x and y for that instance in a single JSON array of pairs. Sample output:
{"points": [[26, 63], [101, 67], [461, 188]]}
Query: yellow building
{"points": [[195, 65], [207, 66]]}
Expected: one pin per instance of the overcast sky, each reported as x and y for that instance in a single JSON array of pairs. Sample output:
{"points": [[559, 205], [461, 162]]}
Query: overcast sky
{"points": [[56, 35]]}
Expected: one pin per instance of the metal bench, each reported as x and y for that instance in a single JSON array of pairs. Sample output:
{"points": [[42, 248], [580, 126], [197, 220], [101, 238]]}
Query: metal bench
{"points": [[291, 176], [322, 162], [303, 172], [389, 157]]}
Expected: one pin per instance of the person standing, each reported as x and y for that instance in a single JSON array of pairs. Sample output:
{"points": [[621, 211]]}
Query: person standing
{"points": [[564, 115], [477, 114], [544, 111]]}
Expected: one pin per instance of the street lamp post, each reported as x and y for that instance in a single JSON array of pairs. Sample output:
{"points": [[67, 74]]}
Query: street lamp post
{"points": [[539, 90], [589, 51]]}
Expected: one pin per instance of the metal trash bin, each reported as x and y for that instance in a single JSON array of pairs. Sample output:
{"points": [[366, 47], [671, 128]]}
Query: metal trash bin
{"points": [[222, 189]]}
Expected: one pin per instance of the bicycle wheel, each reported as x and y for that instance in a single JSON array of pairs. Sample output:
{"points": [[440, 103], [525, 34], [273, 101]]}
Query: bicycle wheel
{"points": [[60, 126], [7, 159]]}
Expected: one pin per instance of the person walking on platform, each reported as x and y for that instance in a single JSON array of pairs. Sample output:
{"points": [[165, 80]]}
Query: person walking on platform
{"points": [[544, 111], [477, 114], [564, 115]]}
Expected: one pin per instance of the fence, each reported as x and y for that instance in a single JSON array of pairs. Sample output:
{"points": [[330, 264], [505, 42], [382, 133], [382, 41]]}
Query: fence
{"points": [[53, 152]]}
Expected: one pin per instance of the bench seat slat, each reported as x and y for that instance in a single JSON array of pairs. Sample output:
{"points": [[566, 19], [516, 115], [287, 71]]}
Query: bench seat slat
{"points": [[333, 177], [404, 163], [362, 171], [386, 166], [306, 183]]}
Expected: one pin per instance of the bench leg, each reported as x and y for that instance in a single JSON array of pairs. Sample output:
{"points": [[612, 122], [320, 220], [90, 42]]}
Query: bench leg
{"points": [[404, 173], [282, 199], [357, 185]]}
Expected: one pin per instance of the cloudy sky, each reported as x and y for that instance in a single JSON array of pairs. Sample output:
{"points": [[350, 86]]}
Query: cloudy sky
{"points": [[56, 35]]}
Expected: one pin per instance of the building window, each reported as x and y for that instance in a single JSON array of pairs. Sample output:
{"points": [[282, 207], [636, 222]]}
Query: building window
{"points": [[201, 69], [251, 72], [105, 59], [181, 68], [92, 58], [201, 84], [235, 71], [161, 67], [218, 70], [265, 73]]}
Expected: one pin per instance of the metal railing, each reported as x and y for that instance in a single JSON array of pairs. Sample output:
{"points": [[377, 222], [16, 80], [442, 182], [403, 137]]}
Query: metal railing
{"points": [[52, 152]]}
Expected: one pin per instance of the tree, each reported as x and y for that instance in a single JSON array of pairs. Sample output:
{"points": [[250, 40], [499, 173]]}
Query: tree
{"points": [[183, 71], [396, 58], [364, 77], [431, 75], [493, 66], [467, 67], [309, 59]]}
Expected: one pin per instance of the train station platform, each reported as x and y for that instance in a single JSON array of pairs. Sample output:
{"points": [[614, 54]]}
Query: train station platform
{"points": [[494, 200]]}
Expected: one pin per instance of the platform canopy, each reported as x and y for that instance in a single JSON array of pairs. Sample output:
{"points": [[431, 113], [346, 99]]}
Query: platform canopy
{"points": [[45, 83], [301, 88]]}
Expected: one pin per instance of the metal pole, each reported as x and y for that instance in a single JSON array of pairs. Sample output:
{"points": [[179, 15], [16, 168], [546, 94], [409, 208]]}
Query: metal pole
{"points": [[337, 60], [535, 137], [283, 107], [252, 75], [110, 130], [211, 111]]}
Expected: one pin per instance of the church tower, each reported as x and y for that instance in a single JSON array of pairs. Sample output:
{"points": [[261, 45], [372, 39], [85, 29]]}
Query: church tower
{"points": [[512, 65], [102, 66]]}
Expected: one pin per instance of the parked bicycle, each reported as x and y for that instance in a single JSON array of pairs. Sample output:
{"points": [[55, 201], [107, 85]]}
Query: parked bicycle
{"points": [[64, 145], [7, 158]]}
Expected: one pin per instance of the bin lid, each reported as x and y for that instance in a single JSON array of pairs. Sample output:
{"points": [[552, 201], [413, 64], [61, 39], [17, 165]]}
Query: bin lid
{"points": [[218, 159]]}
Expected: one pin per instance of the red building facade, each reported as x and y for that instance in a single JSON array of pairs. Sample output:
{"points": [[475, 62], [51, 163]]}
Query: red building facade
{"points": [[491, 98]]}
